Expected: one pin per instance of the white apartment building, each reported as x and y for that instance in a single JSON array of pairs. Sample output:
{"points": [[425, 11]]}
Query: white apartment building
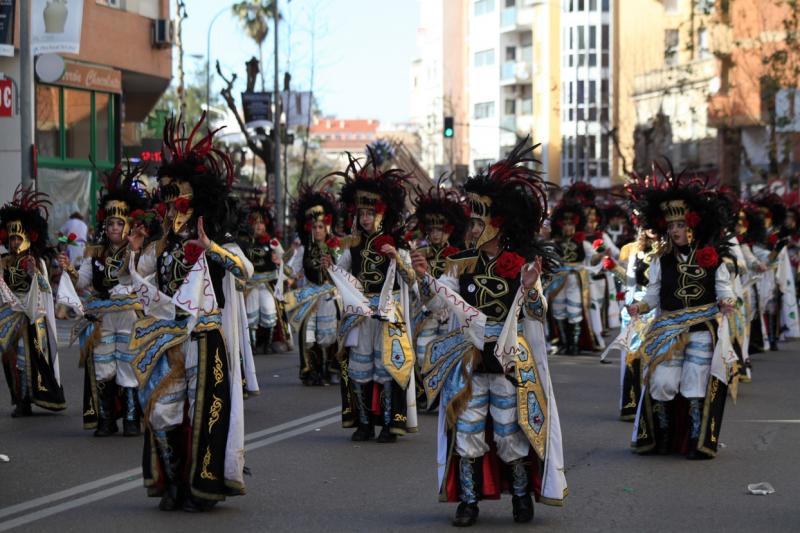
{"points": [[586, 91]]}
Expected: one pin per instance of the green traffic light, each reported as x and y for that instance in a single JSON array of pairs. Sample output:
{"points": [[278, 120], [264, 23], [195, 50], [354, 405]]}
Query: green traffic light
{"points": [[448, 132]]}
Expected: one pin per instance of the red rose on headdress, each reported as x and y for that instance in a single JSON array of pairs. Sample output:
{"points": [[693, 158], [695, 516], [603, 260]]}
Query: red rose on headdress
{"points": [[692, 219], [72, 237], [509, 264], [161, 209], [609, 263], [137, 214], [497, 221], [264, 239], [707, 257], [33, 235], [328, 220], [381, 241], [101, 214], [192, 252], [3, 234], [333, 242], [468, 210], [773, 239], [182, 204], [634, 220], [598, 245], [450, 250], [579, 237], [380, 208]]}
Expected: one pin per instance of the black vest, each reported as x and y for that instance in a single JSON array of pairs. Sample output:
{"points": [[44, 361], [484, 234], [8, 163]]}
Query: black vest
{"points": [[105, 271], [368, 266], [15, 274], [312, 264], [572, 251], [685, 284], [641, 267], [491, 294], [436, 259], [171, 271], [261, 257]]}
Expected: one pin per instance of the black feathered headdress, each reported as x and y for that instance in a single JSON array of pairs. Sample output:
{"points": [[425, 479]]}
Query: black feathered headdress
{"points": [[312, 206], [441, 208], [26, 217]]}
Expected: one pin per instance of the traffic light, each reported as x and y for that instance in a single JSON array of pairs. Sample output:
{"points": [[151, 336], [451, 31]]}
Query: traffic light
{"points": [[449, 129]]}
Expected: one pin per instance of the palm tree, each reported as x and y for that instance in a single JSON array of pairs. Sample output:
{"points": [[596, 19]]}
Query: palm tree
{"points": [[254, 16]]}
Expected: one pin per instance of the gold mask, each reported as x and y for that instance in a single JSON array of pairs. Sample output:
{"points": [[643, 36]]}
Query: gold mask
{"points": [[120, 210], [370, 200], [184, 196], [15, 229], [481, 210]]}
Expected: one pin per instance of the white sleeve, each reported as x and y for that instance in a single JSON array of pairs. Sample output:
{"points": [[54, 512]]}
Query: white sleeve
{"points": [[588, 252], [345, 261], [652, 296], [84, 274], [723, 285], [610, 246], [147, 261]]}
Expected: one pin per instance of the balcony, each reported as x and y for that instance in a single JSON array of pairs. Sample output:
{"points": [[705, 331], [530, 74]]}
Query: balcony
{"points": [[516, 19], [679, 77], [515, 72]]}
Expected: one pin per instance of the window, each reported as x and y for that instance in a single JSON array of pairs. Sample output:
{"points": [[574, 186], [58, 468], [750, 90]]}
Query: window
{"points": [[604, 92], [511, 3], [511, 107], [671, 6], [671, 38], [702, 44], [511, 53], [526, 106], [592, 91], [483, 7], [581, 87], [605, 6], [484, 110], [484, 58], [48, 137], [581, 40], [592, 36], [592, 5]]}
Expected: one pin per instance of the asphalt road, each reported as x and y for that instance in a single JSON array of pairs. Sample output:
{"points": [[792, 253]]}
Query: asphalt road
{"points": [[308, 476]]}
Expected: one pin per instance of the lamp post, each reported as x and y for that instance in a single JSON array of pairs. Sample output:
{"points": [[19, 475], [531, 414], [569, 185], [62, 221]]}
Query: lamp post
{"points": [[208, 55]]}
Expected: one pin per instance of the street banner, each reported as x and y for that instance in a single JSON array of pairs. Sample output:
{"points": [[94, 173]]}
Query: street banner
{"points": [[56, 26], [257, 109], [7, 27], [296, 107]]}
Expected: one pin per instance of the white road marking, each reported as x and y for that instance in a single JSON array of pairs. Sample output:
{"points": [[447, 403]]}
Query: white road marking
{"points": [[770, 421], [312, 422]]}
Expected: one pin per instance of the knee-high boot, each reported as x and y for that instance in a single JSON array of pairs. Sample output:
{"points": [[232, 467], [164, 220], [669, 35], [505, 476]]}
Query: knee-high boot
{"points": [[575, 345], [695, 419], [170, 450], [386, 434], [662, 427], [564, 337], [106, 393], [363, 397], [521, 501], [130, 425], [467, 512]]}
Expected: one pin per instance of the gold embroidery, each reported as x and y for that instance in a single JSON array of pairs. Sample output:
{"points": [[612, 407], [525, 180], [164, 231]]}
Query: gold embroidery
{"points": [[205, 474], [713, 432], [39, 385], [713, 391], [216, 407], [90, 411], [632, 403], [217, 369]]}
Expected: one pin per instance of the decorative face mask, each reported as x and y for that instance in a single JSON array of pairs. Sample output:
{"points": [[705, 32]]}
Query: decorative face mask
{"points": [[16, 229], [120, 210], [373, 202], [179, 194], [480, 207]]}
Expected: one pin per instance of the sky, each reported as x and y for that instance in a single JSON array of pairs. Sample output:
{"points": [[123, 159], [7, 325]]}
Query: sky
{"points": [[362, 51]]}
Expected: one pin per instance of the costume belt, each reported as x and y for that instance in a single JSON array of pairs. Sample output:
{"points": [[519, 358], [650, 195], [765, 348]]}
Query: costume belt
{"points": [[262, 278], [116, 303]]}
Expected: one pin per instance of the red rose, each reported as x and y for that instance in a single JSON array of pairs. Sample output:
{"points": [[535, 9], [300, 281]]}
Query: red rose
{"points": [[72, 237], [497, 221], [620, 296], [381, 241], [161, 209], [692, 219], [707, 257], [101, 214], [579, 237], [333, 242], [275, 243], [328, 220], [137, 214], [264, 239], [182, 204], [773, 239], [598, 245], [450, 250], [609, 263], [192, 252], [3, 235], [33, 235], [380, 208], [509, 264]]}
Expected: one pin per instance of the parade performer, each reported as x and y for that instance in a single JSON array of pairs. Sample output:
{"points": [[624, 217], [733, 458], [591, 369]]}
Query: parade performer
{"points": [[189, 383], [27, 318], [498, 422], [111, 311], [441, 223], [376, 350], [313, 310], [686, 352], [568, 288]]}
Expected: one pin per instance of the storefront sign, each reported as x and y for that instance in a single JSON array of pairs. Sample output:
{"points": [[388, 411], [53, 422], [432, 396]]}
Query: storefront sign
{"points": [[56, 26], [7, 27], [6, 98], [91, 78]]}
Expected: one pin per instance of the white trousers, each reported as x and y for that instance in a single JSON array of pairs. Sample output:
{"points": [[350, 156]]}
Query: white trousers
{"points": [[567, 305], [112, 359], [686, 373], [261, 310], [167, 413]]}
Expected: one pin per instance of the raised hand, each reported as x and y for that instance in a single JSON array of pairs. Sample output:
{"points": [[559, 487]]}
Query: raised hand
{"points": [[531, 273], [419, 263], [202, 239]]}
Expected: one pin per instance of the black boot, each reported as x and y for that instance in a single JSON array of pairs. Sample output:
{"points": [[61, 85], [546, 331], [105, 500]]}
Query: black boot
{"points": [[106, 423], [169, 445], [23, 408], [130, 425], [365, 429], [467, 512], [575, 344], [774, 331], [386, 436], [522, 502], [662, 429], [565, 339], [695, 418]]}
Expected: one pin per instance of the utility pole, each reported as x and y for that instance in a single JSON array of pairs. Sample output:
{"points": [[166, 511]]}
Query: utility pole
{"points": [[179, 43], [276, 130], [26, 93]]}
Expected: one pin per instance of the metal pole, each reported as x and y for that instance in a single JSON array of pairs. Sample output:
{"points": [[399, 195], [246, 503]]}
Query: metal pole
{"points": [[276, 120], [208, 58], [26, 93]]}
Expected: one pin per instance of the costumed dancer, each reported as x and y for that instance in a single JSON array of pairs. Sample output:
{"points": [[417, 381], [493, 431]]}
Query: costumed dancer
{"points": [[189, 383], [687, 355], [27, 317], [111, 310], [313, 310], [373, 276], [568, 288], [441, 222], [498, 422]]}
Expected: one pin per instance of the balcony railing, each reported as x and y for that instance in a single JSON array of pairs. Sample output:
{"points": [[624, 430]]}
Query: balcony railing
{"points": [[515, 71]]}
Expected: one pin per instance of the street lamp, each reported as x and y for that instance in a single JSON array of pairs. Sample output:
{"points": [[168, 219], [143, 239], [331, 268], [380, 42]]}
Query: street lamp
{"points": [[208, 55]]}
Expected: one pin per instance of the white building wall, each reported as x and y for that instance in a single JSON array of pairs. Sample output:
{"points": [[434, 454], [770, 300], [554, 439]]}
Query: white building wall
{"points": [[484, 83], [10, 128]]}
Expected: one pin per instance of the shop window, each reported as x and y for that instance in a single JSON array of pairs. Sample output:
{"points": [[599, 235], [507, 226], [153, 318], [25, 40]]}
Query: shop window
{"points": [[78, 123], [48, 121]]}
